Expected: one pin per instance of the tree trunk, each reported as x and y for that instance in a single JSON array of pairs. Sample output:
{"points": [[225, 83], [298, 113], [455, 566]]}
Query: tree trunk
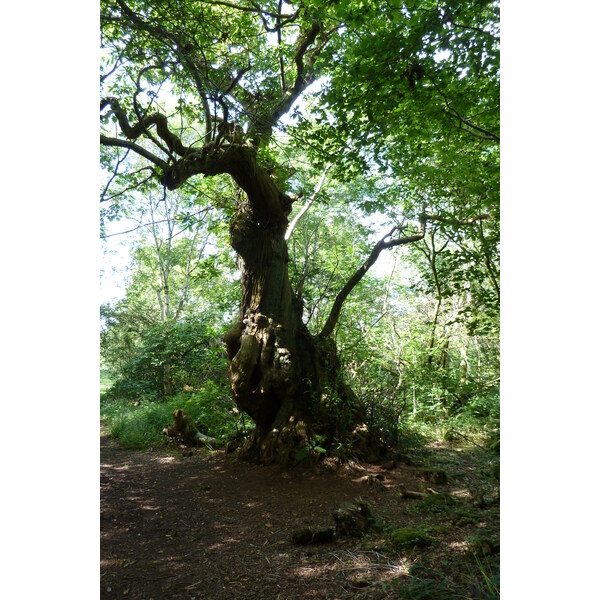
{"points": [[432, 337], [168, 388], [287, 380]]}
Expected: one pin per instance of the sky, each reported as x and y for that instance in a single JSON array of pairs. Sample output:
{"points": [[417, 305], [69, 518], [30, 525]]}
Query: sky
{"points": [[113, 268]]}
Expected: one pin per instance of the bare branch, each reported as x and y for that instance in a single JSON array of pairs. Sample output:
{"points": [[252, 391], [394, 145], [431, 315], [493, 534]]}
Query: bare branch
{"points": [[181, 49], [125, 190], [189, 269], [108, 141], [252, 9], [307, 204], [137, 107], [113, 176], [454, 222], [105, 76], [138, 226], [306, 52], [281, 71], [488, 135], [383, 244], [141, 225]]}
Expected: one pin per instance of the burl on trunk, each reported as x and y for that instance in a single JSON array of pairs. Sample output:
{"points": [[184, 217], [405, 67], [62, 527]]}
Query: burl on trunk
{"points": [[286, 379]]}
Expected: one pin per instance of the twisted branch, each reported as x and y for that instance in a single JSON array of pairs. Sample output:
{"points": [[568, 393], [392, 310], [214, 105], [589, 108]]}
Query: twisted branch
{"points": [[181, 49], [381, 245], [108, 141], [141, 127]]}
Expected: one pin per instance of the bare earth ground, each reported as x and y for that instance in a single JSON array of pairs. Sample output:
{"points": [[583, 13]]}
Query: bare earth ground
{"points": [[207, 526]]}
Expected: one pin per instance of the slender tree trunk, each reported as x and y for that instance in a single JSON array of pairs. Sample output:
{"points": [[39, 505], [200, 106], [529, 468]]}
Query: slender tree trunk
{"points": [[168, 388], [431, 255], [464, 364], [478, 349], [444, 357], [433, 331]]}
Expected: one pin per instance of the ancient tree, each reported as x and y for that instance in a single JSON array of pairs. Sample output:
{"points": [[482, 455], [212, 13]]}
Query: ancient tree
{"points": [[231, 70]]}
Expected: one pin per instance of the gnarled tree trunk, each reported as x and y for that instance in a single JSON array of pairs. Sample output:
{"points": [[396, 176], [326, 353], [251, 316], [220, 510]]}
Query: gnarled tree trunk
{"points": [[280, 374]]}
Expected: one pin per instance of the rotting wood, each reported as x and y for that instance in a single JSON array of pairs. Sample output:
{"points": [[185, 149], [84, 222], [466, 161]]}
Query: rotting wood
{"points": [[410, 494]]}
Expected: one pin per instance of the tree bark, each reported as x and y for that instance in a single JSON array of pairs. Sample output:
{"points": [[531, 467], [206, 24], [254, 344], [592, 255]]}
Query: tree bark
{"points": [[282, 376]]}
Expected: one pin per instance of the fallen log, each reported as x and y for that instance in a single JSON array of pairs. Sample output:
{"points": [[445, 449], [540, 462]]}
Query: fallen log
{"points": [[311, 535], [410, 494]]}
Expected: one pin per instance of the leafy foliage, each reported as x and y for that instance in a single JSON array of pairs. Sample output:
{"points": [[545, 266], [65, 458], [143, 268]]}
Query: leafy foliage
{"points": [[140, 425], [191, 348]]}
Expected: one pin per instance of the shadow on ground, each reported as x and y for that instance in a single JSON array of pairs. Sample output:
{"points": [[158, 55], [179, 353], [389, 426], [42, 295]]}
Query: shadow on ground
{"points": [[208, 526]]}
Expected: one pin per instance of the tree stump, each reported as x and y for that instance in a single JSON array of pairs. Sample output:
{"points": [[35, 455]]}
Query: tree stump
{"points": [[353, 518], [184, 429]]}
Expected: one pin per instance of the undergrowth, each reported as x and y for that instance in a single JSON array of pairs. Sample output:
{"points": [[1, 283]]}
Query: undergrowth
{"points": [[139, 425], [481, 579]]}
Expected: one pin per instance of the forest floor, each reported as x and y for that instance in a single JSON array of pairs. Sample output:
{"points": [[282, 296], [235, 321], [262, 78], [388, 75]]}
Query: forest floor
{"points": [[188, 524]]}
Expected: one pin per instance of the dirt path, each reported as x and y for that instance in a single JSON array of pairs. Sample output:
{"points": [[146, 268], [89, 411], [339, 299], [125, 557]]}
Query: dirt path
{"points": [[209, 527]]}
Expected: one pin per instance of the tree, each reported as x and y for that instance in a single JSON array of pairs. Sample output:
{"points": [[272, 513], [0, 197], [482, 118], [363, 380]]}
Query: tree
{"points": [[163, 334], [198, 89]]}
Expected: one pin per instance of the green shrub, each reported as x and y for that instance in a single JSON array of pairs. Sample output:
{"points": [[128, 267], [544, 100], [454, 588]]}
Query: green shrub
{"points": [[170, 356], [139, 425], [493, 440]]}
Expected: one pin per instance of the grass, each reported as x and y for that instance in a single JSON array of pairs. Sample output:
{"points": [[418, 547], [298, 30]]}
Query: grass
{"points": [[139, 425], [491, 579], [478, 578]]}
